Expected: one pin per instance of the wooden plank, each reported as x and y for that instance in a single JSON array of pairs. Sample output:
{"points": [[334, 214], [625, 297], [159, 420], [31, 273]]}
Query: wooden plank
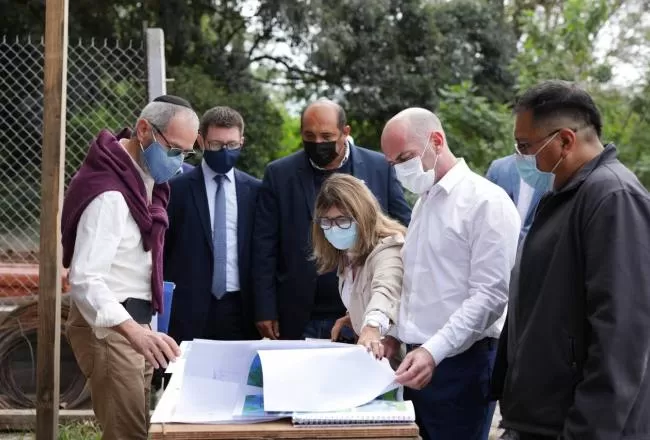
{"points": [[49, 304], [25, 419], [282, 429]]}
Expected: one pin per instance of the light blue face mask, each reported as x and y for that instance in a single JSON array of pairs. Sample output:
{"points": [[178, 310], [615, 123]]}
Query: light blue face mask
{"points": [[160, 164], [341, 239], [527, 168]]}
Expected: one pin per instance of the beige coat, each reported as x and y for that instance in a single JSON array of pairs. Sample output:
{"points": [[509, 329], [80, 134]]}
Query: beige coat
{"points": [[378, 283]]}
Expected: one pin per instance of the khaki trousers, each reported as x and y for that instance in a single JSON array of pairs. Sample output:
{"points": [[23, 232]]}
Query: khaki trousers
{"points": [[120, 379]]}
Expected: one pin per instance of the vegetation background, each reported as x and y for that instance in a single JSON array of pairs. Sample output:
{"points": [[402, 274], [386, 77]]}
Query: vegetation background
{"points": [[464, 59]]}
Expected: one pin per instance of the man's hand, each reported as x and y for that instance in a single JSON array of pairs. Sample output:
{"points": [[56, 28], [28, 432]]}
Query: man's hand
{"points": [[371, 339], [338, 326], [268, 329], [157, 348], [391, 346], [416, 369]]}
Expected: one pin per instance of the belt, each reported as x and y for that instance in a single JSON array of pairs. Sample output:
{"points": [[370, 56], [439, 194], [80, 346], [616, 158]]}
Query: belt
{"points": [[487, 343], [140, 310]]}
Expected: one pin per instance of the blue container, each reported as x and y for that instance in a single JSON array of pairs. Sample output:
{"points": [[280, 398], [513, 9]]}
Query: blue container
{"points": [[163, 318]]}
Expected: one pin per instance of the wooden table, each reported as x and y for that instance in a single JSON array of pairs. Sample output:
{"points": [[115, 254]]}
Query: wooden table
{"points": [[281, 429]]}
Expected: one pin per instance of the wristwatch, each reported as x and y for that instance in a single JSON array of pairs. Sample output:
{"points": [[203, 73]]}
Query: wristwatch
{"points": [[375, 324]]}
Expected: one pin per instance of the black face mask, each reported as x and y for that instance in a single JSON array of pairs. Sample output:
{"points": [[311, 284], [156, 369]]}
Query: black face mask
{"points": [[321, 153]]}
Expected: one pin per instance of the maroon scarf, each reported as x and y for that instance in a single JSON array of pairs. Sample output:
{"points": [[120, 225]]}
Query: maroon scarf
{"points": [[108, 167]]}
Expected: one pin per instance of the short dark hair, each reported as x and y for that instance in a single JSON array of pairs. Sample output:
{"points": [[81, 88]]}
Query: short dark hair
{"points": [[223, 117], [555, 98], [342, 119]]}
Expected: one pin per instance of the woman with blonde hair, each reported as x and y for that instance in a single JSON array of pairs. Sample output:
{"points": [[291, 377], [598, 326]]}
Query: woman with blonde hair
{"points": [[353, 236]]}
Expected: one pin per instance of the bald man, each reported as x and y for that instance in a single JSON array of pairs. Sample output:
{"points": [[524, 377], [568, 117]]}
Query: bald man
{"points": [[459, 251], [291, 300]]}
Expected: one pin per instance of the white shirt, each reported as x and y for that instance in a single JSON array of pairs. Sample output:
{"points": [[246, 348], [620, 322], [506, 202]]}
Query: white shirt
{"points": [[525, 198], [109, 263], [459, 250], [232, 263]]}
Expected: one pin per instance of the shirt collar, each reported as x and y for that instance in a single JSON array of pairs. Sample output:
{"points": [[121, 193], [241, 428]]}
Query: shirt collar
{"points": [[345, 158], [453, 176], [609, 153], [210, 174]]}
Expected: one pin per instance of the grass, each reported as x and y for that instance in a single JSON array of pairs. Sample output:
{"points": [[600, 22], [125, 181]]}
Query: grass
{"points": [[72, 431], [80, 431]]}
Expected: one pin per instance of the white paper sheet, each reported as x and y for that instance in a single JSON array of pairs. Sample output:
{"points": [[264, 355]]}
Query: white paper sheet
{"points": [[210, 377], [167, 404], [323, 379], [204, 400], [229, 361], [178, 365]]}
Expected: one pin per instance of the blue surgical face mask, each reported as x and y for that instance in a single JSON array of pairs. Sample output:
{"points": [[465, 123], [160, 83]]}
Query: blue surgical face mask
{"points": [[341, 239], [533, 176], [221, 161], [160, 165]]}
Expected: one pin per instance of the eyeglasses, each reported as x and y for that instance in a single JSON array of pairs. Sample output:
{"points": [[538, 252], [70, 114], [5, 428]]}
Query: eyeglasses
{"points": [[172, 150], [218, 145], [521, 148], [342, 222]]}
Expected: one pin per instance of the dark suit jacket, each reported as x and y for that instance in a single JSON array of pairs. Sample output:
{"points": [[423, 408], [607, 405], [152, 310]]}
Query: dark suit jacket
{"points": [[188, 257], [504, 173], [284, 276]]}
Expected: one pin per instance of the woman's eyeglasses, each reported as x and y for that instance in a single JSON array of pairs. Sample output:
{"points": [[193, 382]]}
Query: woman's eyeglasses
{"points": [[341, 221]]}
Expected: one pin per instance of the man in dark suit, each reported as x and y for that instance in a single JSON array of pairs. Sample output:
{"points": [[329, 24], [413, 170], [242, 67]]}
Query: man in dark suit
{"points": [[504, 173], [208, 243], [291, 301]]}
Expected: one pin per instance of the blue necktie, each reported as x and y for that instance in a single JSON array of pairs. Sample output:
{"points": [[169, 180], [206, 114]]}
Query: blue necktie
{"points": [[219, 239]]}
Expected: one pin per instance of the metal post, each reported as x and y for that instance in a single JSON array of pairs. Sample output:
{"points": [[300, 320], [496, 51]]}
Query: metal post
{"points": [[156, 74]]}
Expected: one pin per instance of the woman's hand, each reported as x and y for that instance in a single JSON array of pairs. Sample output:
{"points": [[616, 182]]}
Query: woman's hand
{"points": [[371, 339], [338, 326]]}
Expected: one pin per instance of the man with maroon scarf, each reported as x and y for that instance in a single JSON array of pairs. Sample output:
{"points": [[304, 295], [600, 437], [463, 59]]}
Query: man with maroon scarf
{"points": [[113, 226]]}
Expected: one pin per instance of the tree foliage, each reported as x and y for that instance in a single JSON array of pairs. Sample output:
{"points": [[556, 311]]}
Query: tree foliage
{"points": [[465, 59]]}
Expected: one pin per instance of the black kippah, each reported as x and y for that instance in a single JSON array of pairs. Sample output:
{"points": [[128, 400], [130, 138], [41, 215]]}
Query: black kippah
{"points": [[171, 99]]}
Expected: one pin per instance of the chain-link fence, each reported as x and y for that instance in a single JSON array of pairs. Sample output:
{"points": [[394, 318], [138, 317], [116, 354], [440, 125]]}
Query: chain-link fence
{"points": [[106, 89]]}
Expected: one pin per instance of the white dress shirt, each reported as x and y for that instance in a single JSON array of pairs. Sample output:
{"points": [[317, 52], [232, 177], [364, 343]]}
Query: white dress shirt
{"points": [[524, 199], [459, 250], [232, 264], [109, 263]]}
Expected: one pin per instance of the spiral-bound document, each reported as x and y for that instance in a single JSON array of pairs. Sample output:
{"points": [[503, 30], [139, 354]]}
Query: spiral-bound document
{"points": [[377, 412]]}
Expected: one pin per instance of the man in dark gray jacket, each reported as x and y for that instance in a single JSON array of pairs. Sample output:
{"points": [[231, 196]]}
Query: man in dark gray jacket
{"points": [[574, 357]]}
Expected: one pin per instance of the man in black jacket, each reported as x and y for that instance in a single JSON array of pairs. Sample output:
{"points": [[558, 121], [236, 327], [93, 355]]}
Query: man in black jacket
{"points": [[574, 357], [291, 300]]}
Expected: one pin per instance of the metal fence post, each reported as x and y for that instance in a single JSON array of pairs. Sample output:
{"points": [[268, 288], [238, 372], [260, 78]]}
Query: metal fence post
{"points": [[156, 75], [156, 82]]}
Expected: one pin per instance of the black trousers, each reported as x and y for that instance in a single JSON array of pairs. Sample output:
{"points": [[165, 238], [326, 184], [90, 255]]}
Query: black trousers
{"points": [[225, 320]]}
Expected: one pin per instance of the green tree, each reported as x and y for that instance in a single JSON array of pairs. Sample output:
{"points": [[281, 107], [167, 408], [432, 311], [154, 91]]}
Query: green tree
{"points": [[477, 129], [378, 60]]}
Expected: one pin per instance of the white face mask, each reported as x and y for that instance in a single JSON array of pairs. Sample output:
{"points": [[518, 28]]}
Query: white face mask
{"points": [[412, 176]]}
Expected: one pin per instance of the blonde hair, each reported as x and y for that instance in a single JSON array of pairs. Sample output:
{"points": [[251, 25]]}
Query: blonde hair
{"points": [[352, 197]]}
